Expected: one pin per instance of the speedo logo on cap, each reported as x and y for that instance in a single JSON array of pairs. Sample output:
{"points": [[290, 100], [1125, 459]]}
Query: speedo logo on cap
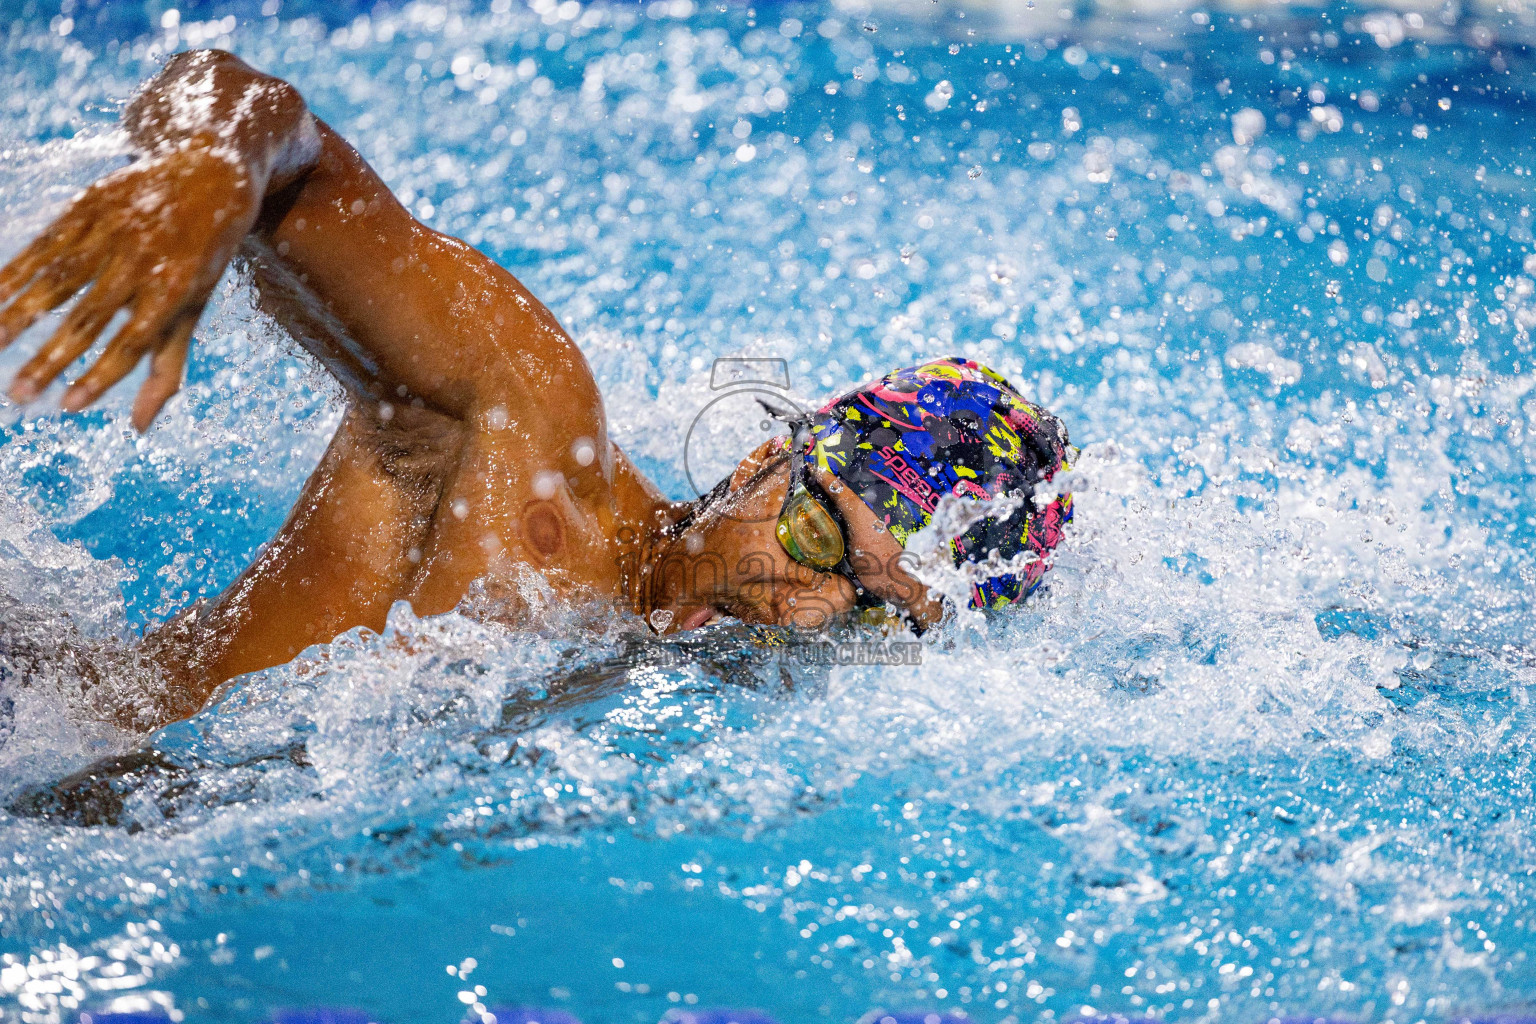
{"points": [[921, 491]]}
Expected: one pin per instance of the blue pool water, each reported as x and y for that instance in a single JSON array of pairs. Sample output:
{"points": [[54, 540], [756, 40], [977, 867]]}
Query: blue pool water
{"points": [[1260, 748]]}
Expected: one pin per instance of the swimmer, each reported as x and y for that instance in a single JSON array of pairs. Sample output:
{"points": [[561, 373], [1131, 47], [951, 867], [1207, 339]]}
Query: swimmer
{"points": [[474, 448]]}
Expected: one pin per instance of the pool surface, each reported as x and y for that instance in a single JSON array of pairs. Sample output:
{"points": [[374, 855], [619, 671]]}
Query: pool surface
{"points": [[1260, 748]]}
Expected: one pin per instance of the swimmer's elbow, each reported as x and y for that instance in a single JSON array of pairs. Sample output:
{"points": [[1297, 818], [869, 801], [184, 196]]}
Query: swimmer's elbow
{"points": [[215, 95]]}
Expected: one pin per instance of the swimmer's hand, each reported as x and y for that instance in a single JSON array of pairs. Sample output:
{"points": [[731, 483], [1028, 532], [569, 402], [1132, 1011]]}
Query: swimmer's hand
{"points": [[152, 238], [396, 310]]}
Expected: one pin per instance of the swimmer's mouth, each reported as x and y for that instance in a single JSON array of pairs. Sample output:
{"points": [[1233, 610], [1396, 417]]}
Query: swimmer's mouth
{"points": [[708, 615]]}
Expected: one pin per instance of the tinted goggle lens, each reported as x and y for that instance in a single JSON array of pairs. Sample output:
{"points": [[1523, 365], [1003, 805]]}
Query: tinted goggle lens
{"points": [[811, 536], [808, 532]]}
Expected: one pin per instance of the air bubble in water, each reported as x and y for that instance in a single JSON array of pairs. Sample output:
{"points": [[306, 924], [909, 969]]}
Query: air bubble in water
{"points": [[661, 618], [974, 172], [1112, 234], [849, 198], [1247, 126], [870, 26], [954, 47], [907, 252]]}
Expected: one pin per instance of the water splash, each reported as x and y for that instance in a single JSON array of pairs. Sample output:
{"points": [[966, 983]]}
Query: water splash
{"points": [[1258, 748]]}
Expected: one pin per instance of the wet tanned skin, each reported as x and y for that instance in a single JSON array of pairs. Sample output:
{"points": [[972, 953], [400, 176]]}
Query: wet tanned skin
{"points": [[762, 584], [475, 441]]}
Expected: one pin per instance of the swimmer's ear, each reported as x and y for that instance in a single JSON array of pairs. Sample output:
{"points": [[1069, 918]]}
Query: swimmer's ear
{"points": [[759, 457]]}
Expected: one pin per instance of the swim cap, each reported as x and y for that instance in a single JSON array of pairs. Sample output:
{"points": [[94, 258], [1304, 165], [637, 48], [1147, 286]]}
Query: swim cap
{"points": [[950, 426]]}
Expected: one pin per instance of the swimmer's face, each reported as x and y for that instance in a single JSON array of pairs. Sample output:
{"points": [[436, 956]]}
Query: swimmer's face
{"points": [[732, 564]]}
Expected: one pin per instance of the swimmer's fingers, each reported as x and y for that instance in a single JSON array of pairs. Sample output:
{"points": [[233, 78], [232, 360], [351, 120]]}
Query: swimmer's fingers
{"points": [[46, 291], [165, 371], [75, 335], [24, 266], [47, 248], [168, 302], [157, 321]]}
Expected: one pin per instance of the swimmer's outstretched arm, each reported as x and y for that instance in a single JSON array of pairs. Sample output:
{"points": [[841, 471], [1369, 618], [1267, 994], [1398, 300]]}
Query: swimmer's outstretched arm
{"points": [[229, 156]]}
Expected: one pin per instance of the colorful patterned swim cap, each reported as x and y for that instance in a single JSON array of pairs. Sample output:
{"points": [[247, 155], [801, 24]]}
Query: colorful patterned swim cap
{"points": [[950, 426]]}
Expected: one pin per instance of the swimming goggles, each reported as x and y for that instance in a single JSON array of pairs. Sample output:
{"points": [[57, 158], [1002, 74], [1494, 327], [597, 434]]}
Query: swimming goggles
{"points": [[810, 529]]}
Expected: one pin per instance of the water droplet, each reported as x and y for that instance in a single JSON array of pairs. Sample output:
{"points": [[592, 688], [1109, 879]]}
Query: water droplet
{"points": [[974, 172], [661, 618], [879, 526]]}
